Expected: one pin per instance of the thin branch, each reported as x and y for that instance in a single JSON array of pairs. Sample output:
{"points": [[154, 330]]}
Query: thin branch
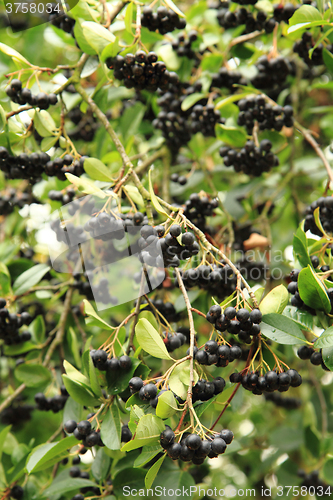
{"points": [[11, 398], [137, 311]]}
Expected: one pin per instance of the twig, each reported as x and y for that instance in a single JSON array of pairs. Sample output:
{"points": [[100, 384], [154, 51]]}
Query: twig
{"points": [[137, 311], [245, 38], [11, 398]]}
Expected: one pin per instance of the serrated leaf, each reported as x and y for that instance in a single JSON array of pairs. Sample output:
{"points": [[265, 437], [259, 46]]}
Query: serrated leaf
{"points": [[166, 405], [304, 14], [153, 197], [3, 120], [150, 340], [281, 329], [327, 353], [152, 473], [110, 50], [275, 301], [44, 123], [147, 454], [312, 290], [30, 278], [97, 170], [303, 318], [85, 185], [74, 346], [66, 485], [48, 142], [101, 465], [325, 339]]}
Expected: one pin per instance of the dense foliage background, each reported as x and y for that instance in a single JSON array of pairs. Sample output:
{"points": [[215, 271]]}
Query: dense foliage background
{"points": [[230, 138]]}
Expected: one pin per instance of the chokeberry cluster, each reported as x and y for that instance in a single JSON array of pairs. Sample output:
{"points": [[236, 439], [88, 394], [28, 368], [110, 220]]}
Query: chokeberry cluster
{"points": [[173, 341], [204, 390], [163, 20], [296, 300], [55, 404], [142, 71], [256, 109], [283, 402], [174, 251], [272, 72], [269, 382], [86, 125], [66, 165], [62, 21], [215, 354], [219, 280], [75, 471], [166, 309], [103, 363], [84, 432], [303, 46], [11, 199], [16, 414], [10, 323], [23, 166], [179, 179], [315, 357], [25, 96], [198, 207], [251, 159], [242, 322], [225, 78], [325, 204], [191, 448], [312, 478], [99, 292], [64, 197], [204, 118], [228, 19], [183, 46]]}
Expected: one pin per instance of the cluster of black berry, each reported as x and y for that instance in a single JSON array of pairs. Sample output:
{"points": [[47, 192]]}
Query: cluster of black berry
{"points": [[10, 323], [228, 19], [251, 160], [86, 125], [100, 291], [23, 166], [75, 471], [142, 71], [163, 20], [325, 205], [192, 448], [166, 309], [204, 390], [241, 322], [315, 357], [204, 118], [215, 354], [322, 489], [283, 402], [83, 432], [174, 341], [272, 72], [103, 363], [25, 96], [63, 196], [179, 179], [227, 79], [270, 382], [66, 165], [218, 280], [183, 47], [11, 199], [282, 13], [303, 46], [173, 251], [252, 270], [198, 207], [256, 109], [107, 227], [55, 404], [16, 414], [61, 20]]}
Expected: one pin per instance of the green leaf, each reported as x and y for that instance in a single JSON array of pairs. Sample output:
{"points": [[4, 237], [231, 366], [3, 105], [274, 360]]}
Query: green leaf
{"points": [[97, 321], [86, 185], [316, 215], [275, 301], [327, 353], [3, 120], [166, 405], [75, 375], [129, 17], [131, 120], [16, 56], [312, 290], [312, 441], [328, 59], [148, 430], [110, 50], [40, 456], [74, 346], [152, 473], [93, 379], [147, 454], [44, 123], [111, 428], [72, 411], [30, 278], [232, 98], [3, 435], [67, 485], [325, 339], [303, 16], [328, 471], [32, 375], [191, 99], [300, 248], [81, 39], [48, 142], [97, 170], [150, 340], [97, 36], [303, 318], [153, 197], [79, 393], [281, 329], [233, 136], [37, 329], [4, 279], [101, 465]]}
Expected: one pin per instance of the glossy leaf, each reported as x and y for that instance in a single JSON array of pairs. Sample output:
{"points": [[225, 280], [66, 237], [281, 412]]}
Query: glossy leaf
{"points": [[32, 375], [111, 428], [44, 453], [30, 278], [275, 301], [281, 329], [97, 170], [167, 405], [153, 471], [150, 340], [312, 291]]}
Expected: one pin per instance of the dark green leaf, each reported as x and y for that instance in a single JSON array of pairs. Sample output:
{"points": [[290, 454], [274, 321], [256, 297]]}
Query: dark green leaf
{"points": [[69, 484], [233, 136], [111, 428], [101, 465], [312, 290], [281, 329], [79, 393], [328, 357], [300, 248], [152, 473], [32, 375], [325, 339]]}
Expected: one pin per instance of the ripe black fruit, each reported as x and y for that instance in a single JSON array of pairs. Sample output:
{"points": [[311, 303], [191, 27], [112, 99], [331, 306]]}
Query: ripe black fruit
{"points": [[227, 435], [125, 362], [167, 438], [84, 427], [218, 446], [126, 434], [193, 441], [70, 426], [135, 384]]}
